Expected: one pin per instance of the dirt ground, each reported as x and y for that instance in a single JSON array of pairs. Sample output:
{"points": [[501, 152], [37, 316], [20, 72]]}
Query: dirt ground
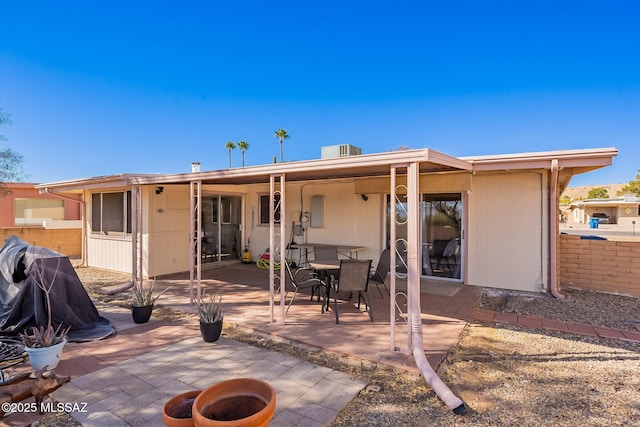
{"points": [[505, 375]]}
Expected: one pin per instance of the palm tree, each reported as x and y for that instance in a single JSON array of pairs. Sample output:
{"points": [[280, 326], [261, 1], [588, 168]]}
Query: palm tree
{"points": [[230, 146], [281, 134], [243, 145]]}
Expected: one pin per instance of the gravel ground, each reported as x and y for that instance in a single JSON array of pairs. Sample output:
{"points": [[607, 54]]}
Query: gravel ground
{"points": [[506, 375], [592, 308]]}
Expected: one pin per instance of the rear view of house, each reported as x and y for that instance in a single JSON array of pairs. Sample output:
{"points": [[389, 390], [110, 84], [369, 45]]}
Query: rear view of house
{"points": [[481, 221]]}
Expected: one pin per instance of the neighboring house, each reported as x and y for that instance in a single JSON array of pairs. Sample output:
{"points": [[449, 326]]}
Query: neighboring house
{"points": [[621, 210], [25, 206], [482, 221]]}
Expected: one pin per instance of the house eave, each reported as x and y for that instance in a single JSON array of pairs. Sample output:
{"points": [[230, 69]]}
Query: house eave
{"points": [[571, 162], [95, 183], [364, 165], [581, 161]]}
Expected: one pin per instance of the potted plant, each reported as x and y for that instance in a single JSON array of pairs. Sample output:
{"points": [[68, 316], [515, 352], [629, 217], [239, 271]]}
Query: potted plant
{"points": [[238, 402], [44, 344], [143, 300], [211, 316], [177, 411]]}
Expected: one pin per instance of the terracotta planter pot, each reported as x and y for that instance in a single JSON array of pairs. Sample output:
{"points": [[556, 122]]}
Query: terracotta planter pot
{"points": [[42, 357], [211, 331], [177, 411], [141, 314], [237, 402]]}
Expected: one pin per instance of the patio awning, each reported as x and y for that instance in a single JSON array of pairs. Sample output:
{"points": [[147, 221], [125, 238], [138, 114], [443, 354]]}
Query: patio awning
{"points": [[365, 165], [570, 162]]}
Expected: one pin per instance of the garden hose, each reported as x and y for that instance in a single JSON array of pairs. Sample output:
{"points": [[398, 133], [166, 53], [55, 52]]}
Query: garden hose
{"points": [[264, 261]]}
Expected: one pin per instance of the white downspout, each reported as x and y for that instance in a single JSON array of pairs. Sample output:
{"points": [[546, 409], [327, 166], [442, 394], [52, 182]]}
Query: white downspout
{"points": [[444, 393], [413, 289], [553, 231]]}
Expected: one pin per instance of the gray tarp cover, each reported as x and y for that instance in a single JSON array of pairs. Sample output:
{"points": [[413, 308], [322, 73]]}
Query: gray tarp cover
{"points": [[23, 302]]}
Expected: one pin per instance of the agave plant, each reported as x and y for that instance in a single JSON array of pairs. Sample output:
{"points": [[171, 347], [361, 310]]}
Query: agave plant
{"points": [[210, 310], [41, 336], [144, 297]]}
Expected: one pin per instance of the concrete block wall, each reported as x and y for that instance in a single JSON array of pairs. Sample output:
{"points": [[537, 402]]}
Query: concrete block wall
{"points": [[67, 241], [600, 265]]}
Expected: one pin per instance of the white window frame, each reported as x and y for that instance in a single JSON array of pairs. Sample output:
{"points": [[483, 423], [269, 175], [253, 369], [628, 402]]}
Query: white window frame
{"points": [[99, 216]]}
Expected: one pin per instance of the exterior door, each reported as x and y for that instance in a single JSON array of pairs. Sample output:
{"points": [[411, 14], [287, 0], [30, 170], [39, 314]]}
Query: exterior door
{"points": [[441, 219], [441, 225], [221, 219]]}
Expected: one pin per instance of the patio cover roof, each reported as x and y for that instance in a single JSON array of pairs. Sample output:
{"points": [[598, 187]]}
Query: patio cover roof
{"points": [[570, 162]]}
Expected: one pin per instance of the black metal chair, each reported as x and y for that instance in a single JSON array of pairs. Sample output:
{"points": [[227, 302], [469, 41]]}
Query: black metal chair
{"points": [[354, 278], [303, 278], [379, 275], [451, 253]]}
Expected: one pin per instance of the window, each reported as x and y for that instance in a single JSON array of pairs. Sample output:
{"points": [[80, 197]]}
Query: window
{"points": [[264, 209], [111, 213], [34, 211]]}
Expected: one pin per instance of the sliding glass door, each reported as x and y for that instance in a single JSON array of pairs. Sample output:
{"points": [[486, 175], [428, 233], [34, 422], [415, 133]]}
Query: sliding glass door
{"points": [[441, 217], [221, 220], [441, 225]]}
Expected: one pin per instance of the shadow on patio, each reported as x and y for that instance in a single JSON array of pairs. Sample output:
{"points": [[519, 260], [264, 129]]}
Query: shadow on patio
{"points": [[446, 308]]}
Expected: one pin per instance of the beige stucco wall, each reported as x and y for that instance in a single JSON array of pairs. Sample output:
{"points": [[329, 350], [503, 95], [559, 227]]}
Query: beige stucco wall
{"points": [[167, 231], [507, 247], [506, 240], [167, 226], [348, 219]]}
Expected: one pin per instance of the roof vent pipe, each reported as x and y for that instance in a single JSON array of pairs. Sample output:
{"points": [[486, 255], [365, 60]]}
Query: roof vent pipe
{"points": [[195, 166]]}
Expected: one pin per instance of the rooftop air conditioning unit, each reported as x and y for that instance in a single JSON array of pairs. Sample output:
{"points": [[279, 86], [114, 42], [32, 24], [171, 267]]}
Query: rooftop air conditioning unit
{"points": [[343, 150]]}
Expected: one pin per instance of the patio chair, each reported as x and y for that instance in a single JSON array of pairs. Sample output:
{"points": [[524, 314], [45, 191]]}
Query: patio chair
{"points": [[436, 253], [354, 277], [451, 252], [378, 276], [303, 278], [325, 253]]}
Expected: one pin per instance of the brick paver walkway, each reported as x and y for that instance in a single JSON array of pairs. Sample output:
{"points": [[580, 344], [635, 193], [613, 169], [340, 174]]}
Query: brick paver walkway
{"points": [[490, 316]]}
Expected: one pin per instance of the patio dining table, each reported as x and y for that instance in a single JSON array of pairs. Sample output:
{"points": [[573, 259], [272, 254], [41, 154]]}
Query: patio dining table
{"points": [[326, 269], [352, 250]]}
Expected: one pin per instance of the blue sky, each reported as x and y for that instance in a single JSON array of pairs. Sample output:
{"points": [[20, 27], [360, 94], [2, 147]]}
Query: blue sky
{"points": [[98, 88]]}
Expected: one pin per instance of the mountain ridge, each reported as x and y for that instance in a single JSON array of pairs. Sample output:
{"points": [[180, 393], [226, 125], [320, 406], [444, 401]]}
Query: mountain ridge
{"points": [[581, 192]]}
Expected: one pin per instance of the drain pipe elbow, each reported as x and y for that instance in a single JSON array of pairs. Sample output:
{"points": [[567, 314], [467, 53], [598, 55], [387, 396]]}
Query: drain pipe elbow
{"points": [[442, 391]]}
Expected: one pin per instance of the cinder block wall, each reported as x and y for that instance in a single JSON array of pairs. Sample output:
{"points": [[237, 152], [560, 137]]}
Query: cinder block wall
{"points": [[67, 241], [600, 265]]}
